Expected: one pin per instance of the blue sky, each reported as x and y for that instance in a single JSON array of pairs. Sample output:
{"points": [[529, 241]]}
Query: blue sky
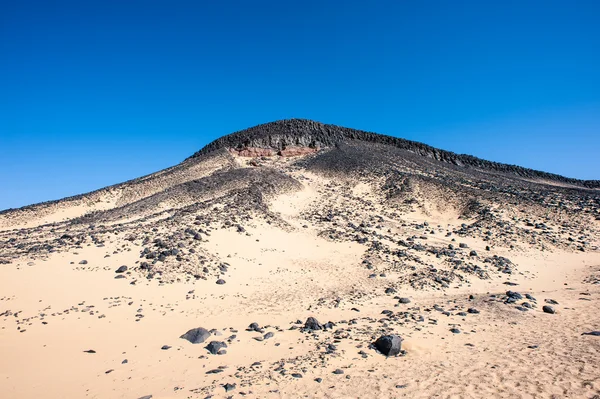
{"points": [[93, 93]]}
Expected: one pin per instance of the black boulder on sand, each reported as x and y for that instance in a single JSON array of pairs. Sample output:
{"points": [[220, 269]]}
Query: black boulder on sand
{"points": [[196, 335], [215, 346], [389, 345], [312, 324]]}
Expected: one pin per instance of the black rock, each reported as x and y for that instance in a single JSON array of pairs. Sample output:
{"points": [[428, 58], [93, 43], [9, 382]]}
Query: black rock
{"points": [[455, 331], [220, 281], [338, 371], [473, 253], [83, 262], [297, 375], [551, 301], [404, 300], [165, 347], [318, 380], [146, 397], [90, 351], [390, 290], [548, 309], [514, 295], [229, 387], [592, 333], [312, 324], [215, 346], [253, 327], [389, 345], [121, 269], [196, 335], [473, 311]]}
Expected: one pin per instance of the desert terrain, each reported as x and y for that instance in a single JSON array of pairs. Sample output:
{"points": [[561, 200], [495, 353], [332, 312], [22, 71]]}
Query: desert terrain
{"points": [[270, 264]]}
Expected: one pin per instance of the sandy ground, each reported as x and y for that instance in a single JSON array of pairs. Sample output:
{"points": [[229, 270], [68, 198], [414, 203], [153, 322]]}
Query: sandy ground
{"points": [[52, 311]]}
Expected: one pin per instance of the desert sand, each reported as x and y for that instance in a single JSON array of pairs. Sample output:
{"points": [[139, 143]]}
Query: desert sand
{"points": [[316, 243]]}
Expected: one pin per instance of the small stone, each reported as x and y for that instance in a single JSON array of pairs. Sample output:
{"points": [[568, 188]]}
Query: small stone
{"points": [[592, 333], [229, 387], [548, 309]]}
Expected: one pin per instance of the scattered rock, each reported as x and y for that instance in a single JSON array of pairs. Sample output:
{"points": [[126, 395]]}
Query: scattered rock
{"points": [[313, 324], [196, 335], [121, 269], [548, 309], [229, 387], [214, 346]]}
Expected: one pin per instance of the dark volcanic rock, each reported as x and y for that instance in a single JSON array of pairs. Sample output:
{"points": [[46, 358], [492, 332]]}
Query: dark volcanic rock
{"points": [[229, 387], [313, 324], [548, 309], [196, 335], [389, 345], [214, 346], [121, 269]]}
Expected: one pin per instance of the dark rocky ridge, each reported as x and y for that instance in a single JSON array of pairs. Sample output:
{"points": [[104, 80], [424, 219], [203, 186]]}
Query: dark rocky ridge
{"points": [[306, 133]]}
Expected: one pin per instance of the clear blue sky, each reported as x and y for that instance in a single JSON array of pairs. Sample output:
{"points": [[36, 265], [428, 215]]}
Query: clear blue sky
{"points": [[93, 93]]}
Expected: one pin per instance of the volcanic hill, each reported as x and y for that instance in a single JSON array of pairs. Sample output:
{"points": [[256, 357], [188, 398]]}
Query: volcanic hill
{"points": [[287, 251]]}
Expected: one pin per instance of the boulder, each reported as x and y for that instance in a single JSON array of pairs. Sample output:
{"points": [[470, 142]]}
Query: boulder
{"points": [[389, 345], [312, 324], [215, 346], [196, 335]]}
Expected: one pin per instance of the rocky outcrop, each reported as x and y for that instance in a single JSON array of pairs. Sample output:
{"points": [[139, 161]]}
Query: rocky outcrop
{"points": [[297, 151], [252, 152], [255, 152]]}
